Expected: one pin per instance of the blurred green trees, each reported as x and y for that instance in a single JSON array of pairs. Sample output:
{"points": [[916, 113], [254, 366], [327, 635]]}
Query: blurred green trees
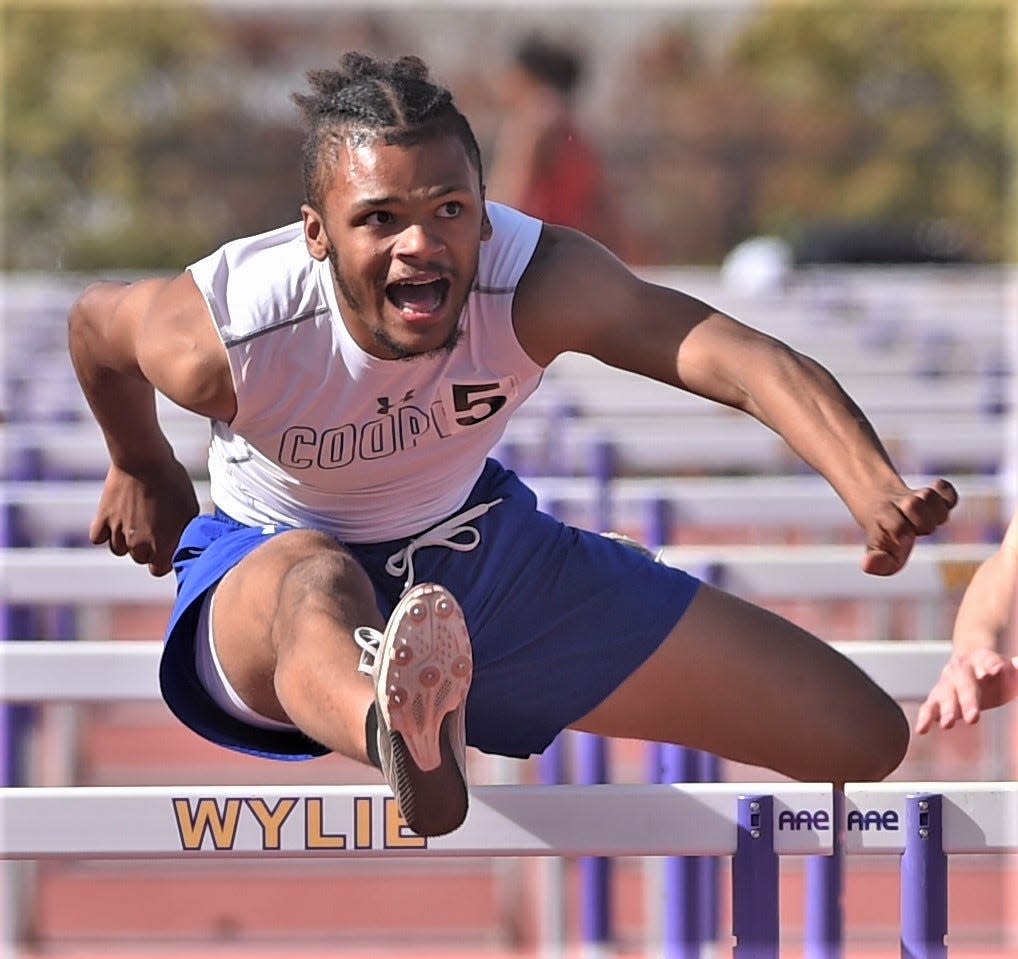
{"points": [[123, 140], [921, 102], [872, 114], [140, 136]]}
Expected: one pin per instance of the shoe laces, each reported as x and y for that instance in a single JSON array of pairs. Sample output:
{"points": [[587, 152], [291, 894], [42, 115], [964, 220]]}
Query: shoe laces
{"points": [[370, 640], [445, 534]]}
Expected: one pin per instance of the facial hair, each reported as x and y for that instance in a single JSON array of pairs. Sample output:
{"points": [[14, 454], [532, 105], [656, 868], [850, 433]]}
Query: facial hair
{"points": [[398, 350]]}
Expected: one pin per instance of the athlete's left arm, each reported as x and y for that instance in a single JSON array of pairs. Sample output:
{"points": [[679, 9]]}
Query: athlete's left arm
{"points": [[576, 296]]}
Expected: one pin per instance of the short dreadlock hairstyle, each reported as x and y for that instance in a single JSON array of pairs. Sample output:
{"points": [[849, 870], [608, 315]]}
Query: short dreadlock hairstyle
{"points": [[366, 99]]}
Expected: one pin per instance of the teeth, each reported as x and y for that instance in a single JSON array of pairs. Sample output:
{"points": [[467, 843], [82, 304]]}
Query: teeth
{"points": [[432, 294]]}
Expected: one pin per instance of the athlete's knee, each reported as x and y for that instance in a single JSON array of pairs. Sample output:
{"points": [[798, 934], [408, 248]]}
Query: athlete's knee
{"points": [[324, 578], [885, 743], [319, 564], [865, 747]]}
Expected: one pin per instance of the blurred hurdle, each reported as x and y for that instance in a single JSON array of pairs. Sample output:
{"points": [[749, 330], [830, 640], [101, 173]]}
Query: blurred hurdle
{"points": [[96, 577], [655, 509]]}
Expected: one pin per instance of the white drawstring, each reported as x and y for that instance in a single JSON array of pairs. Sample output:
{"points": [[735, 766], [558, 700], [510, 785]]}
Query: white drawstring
{"points": [[442, 535]]}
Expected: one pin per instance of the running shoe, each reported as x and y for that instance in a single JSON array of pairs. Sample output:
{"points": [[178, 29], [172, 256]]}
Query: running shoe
{"points": [[422, 666]]}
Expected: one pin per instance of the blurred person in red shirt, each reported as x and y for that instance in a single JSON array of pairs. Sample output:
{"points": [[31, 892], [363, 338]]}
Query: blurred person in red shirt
{"points": [[544, 164]]}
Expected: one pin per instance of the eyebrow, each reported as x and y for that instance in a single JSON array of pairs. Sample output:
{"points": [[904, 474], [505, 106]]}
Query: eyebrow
{"points": [[434, 193]]}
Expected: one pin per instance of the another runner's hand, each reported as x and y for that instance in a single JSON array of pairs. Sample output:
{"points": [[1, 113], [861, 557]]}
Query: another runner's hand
{"points": [[896, 521], [143, 514], [969, 683]]}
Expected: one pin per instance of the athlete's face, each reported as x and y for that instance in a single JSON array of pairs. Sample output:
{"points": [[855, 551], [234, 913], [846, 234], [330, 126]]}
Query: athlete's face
{"points": [[402, 228]]}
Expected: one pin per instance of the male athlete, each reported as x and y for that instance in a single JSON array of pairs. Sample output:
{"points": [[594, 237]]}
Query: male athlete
{"points": [[371, 582]]}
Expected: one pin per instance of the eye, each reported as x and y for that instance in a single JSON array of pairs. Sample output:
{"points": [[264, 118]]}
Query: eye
{"points": [[378, 218], [450, 209]]}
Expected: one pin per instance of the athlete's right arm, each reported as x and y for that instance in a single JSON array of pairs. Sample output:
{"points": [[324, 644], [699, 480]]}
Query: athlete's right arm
{"points": [[127, 341]]}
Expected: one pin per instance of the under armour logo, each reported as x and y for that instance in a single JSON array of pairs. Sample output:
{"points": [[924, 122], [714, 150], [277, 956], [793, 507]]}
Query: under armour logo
{"points": [[384, 405]]}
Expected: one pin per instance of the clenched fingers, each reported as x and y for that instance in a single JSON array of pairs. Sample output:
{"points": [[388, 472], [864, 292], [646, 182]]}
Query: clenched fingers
{"points": [[130, 542], [140, 549], [98, 532], [928, 508], [899, 520]]}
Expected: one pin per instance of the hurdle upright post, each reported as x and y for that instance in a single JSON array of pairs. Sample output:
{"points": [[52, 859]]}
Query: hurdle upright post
{"points": [[686, 881], [595, 871], [823, 936], [552, 924], [755, 917], [592, 751], [682, 935], [924, 879]]}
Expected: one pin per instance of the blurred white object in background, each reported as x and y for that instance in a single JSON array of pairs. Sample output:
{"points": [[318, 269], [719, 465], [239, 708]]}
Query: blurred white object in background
{"points": [[760, 264]]}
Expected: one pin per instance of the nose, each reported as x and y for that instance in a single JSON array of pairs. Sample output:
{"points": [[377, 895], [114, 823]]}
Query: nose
{"points": [[418, 240]]}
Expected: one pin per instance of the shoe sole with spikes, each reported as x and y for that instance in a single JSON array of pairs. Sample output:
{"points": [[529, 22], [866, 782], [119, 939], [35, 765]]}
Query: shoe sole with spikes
{"points": [[423, 676]]}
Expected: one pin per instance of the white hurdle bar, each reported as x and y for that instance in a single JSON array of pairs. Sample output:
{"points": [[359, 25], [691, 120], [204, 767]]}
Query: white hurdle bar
{"points": [[59, 508], [734, 443], [128, 670], [754, 823], [96, 577], [309, 821], [832, 572]]}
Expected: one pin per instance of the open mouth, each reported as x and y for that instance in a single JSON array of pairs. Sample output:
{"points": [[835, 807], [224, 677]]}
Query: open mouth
{"points": [[418, 298]]}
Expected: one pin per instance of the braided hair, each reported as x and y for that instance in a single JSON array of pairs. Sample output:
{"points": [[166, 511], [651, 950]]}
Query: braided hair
{"points": [[367, 99]]}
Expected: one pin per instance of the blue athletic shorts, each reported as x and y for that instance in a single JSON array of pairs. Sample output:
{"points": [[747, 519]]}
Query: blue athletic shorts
{"points": [[558, 618]]}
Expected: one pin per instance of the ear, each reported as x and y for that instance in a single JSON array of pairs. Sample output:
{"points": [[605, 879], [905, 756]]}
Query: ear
{"points": [[486, 227], [315, 237]]}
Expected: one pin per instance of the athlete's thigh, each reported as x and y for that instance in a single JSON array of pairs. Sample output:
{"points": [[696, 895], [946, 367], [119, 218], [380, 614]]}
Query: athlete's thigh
{"points": [[274, 592], [742, 682]]}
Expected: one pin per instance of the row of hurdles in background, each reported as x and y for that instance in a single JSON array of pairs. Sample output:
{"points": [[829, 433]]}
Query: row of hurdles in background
{"points": [[83, 665], [909, 322], [929, 355], [639, 428], [45, 588], [942, 396]]}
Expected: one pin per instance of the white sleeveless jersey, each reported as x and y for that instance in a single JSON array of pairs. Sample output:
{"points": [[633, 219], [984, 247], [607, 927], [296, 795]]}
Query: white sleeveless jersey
{"points": [[329, 437]]}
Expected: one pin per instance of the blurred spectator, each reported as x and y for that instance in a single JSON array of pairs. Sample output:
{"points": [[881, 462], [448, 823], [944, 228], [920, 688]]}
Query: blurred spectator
{"points": [[544, 164]]}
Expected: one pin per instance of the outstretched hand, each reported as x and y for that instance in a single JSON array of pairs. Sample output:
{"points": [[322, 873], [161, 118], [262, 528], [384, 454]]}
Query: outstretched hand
{"points": [[895, 523], [143, 514], [968, 684]]}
